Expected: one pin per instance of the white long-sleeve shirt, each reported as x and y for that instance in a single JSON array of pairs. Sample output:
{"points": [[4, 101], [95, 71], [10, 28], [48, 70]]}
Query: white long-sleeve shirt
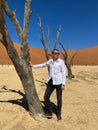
{"points": [[57, 71]]}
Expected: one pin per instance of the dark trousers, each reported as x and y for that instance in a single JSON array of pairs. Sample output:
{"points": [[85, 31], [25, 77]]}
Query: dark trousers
{"points": [[48, 92]]}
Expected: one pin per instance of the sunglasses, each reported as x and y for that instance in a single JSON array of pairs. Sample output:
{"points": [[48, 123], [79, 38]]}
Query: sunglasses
{"points": [[55, 53]]}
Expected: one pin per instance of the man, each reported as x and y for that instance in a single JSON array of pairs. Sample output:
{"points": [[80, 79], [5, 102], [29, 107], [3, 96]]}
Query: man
{"points": [[56, 80]]}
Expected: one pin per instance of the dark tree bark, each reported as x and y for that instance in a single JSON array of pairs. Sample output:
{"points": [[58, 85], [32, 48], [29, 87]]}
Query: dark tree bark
{"points": [[20, 61]]}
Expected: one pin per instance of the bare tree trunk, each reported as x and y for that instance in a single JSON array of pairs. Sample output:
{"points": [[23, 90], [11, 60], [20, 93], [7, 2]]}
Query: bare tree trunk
{"points": [[21, 61], [68, 64], [70, 75]]}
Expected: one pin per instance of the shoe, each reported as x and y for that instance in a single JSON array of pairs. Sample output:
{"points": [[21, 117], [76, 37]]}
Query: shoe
{"points": [[48, 115], [59, 117]]}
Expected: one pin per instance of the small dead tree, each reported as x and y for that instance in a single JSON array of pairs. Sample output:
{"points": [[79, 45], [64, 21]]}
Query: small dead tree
{"points": [[20, 61], [65, 55], [42, 38], [68, 64]]}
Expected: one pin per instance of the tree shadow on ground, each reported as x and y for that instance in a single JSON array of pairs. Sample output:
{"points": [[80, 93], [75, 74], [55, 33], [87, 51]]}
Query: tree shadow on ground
{"points": [[22, 102]]}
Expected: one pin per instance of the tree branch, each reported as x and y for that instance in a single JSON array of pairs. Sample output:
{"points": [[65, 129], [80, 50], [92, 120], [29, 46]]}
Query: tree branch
{"points": [[23, 34], [57, 36], [27, 14], [65, 52], [42, 33], [71, 61], [42, 38], [49, 38], [12, 16], [24, 39], [5, 38]]}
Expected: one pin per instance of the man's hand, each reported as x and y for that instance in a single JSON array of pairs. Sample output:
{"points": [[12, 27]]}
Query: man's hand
{"points": [[62, 87], [30, 64]]}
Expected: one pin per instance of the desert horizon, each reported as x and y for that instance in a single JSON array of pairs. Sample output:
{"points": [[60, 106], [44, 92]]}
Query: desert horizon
{"points": [[86, 56]]}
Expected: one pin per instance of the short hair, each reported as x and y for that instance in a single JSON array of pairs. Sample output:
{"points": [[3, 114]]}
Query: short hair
{"points": [[55, 50]]}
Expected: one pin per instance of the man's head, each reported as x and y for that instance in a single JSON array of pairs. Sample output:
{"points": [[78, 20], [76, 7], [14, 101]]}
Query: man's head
{"points": [[55, 54]]}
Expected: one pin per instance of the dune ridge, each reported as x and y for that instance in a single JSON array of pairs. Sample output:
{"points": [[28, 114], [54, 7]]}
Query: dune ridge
{"points": [[87, 56]]}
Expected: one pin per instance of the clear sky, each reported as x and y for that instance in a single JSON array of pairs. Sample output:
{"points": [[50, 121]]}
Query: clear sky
{"points": [[78, 19]]}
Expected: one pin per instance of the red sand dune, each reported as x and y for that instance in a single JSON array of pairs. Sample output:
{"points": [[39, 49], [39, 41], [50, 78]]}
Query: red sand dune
{"points": [[87, 56]]}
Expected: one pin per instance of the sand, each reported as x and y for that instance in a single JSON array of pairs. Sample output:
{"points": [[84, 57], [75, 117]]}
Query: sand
{"points": [[80, 101]]}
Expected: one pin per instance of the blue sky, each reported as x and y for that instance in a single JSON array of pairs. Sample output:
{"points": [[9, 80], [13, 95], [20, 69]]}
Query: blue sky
{"points": [[78, 19]]}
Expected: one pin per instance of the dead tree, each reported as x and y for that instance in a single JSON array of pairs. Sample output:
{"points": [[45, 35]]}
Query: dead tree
{"points": [[20, 61], [68, 64], [65, 55], [42, 38]]}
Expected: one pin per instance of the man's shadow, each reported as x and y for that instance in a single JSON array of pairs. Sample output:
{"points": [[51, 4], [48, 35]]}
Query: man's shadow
{"points": [[22, 102], [53, 106]]}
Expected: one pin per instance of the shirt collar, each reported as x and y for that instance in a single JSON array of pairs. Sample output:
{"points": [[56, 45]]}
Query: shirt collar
{"points": [[56, 60]]}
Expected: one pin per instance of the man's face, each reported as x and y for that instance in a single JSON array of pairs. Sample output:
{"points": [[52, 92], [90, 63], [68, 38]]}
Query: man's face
{"points": [[55, 54]]}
